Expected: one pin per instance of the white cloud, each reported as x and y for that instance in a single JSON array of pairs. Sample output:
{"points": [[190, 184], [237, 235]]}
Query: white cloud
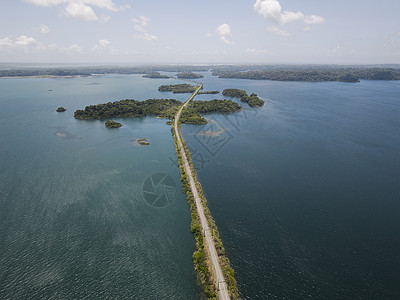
{"points": [[272, 11], [44, 29], [22, 42], [140, 26], [81, 9], [277, 31], [104, 43], [224, 31], [307, 28], [71, 49]]}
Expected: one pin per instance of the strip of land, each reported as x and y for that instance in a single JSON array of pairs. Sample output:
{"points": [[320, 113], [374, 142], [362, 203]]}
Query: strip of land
{"points": [[209, 246]]}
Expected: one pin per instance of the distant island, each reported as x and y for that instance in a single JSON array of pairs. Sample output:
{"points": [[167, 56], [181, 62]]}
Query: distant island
{"points": [[252, 100], [178, 88], [113, 124], [208, 92], [61, 109], [155, 75], [308, 73], [162, 108], [188, 75]]}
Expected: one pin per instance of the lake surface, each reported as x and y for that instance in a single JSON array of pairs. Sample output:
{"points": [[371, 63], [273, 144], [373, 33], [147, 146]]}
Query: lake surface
{"points": [[305, 191]]}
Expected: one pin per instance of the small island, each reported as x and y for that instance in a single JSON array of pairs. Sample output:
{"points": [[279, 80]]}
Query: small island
{"points": [[188, 75], [178, 88], [155, 75], [61, 109], [113, 124], [143, 142], [208, 92], [252, 100]]}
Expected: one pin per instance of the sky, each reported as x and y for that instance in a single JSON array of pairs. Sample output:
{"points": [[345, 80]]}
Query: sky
{"points": [[198, 32]]}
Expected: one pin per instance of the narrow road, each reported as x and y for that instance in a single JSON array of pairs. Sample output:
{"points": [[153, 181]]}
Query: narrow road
{"points": [[209, 245]]}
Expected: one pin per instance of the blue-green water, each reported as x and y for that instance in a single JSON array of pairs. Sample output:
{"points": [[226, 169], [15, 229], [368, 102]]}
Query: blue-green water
{"points": [[73, 221], [305, 191]]}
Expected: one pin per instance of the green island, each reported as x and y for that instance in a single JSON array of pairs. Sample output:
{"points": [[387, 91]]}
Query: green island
{"points": [[162, 108], [188, 75], [252, 100], [143, 142], [178, 88], [113, 124], [61, 109], [155, 74], [208, 92]]}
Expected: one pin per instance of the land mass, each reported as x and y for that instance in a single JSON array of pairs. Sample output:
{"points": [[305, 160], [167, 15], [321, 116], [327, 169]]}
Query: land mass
{"points": [[113, 124], [178, 88], [188, 75], [155, 75], [252, 100], [163, 108]]}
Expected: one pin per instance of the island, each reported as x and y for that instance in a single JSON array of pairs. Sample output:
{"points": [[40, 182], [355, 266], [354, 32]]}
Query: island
{"points": [[113, 124], [208, 92], [188, 75], [162, 108], [143, 142], [61, 109], [308, 73], [252, 100], [178, 88], [155, 75]]}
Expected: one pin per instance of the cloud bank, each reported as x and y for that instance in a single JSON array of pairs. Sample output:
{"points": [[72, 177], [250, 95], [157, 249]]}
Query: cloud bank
{"points": [[80, 9]]}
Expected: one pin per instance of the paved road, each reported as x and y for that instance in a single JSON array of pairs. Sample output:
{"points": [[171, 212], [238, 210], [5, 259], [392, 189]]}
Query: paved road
{"points": [[208, 238]]}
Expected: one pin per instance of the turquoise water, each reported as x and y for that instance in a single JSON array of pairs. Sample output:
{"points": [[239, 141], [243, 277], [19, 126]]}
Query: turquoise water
{"points": [[305, 192]]}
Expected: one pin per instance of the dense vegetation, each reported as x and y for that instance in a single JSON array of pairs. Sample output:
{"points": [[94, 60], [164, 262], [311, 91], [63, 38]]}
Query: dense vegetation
{"points": [[61, 109], [315, 74], [178, 88], [155, 75], [252, 100], [112, 124], [208, 92], [127, 109], [163, 108], [192, 113], [188, 75]]}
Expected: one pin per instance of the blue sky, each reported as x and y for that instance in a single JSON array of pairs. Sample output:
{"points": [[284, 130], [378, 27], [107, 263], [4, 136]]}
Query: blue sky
{"points": [[218, 31]]}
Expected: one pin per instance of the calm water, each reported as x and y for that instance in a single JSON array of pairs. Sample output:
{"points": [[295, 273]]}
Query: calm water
{"points": [[305, 191], [74, 222]]}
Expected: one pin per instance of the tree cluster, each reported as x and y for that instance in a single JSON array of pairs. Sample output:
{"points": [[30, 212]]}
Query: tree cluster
{"points": [[188, 75], [112, 124], [252, 100], [155, 75], [178, 88], [127, 109]]}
